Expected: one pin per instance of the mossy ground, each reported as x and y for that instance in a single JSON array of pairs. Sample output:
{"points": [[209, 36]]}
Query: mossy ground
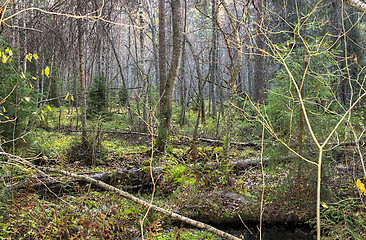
{"points": [[187, 185]]}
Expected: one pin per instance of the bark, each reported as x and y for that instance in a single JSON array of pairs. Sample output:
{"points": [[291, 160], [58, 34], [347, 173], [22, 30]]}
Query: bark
{"points": [[143, 203], [356, 4], [183, 90], [162, 48], [220, 142], [153, 41], [82, 78], [167, 91], [234, 73], [258, 58], [128, 178], [213, 63], [144, 78]]}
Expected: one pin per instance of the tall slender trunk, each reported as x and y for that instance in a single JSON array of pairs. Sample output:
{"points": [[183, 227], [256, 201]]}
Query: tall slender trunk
{"points": [[258, 90], [82, 78], [162, 48], [183, 89], [234, 73], [213, 67], [152, 16], [144, 78], [168, 87]]}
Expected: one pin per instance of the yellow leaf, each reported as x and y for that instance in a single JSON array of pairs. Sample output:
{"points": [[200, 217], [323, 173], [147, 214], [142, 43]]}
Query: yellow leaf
{"points": [[35, 56], [49, 108], [6, 117], [42, 117], [324, 205], [31, 85], [47, 71], [7, 50], [22, 75], [10, 52], [72, 98], [23, 139], [42, 72], [34, 78], [67, 95], [42, 111], [361, 187], [29, 57], [4, 110], [10, 60], [5, 59]]}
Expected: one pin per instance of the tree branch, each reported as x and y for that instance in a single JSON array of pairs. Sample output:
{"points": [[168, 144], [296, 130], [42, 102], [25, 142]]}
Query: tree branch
{"points": [[356, 4]]}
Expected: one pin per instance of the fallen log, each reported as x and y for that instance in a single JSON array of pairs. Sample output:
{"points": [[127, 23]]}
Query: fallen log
{"points": [[141, 202], [220, 142], [238, 164], [127, 178]]}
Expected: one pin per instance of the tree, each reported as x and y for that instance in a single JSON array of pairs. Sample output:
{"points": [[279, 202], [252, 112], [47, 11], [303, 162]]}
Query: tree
{"points": [[258, 91], [144, 78], [167, 83], [213, 60]]}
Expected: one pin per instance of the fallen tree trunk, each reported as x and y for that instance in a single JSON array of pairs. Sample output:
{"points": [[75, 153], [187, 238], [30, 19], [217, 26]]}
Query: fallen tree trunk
{"points": [[220, 142], [141, 202], [238, 164], [128, 178]]}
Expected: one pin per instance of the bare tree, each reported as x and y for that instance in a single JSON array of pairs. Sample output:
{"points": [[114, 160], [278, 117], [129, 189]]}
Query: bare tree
{"points": [[167, 86]]}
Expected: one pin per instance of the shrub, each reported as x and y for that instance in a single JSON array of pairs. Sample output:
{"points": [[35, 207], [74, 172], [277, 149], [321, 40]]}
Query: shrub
{"points": [[17, 101], [97, 97]]}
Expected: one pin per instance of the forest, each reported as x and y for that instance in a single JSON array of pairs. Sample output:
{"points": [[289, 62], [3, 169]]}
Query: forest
{"points": [[182, 119]]}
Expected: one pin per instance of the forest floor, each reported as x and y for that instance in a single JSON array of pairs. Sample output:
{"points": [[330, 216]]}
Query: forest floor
{"points": [[197, 182]]}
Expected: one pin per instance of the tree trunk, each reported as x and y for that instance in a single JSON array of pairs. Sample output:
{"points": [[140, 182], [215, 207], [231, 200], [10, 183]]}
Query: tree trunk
{"points": [[258, 90], [201, 85], [213, 67], [234, 73], [82, 78], [162, 49], [144, 78], [168, 87], [183, 88]]}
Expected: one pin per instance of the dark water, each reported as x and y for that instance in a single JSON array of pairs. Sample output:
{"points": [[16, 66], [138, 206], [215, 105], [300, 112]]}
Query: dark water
{"points": [[270, 232]]}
